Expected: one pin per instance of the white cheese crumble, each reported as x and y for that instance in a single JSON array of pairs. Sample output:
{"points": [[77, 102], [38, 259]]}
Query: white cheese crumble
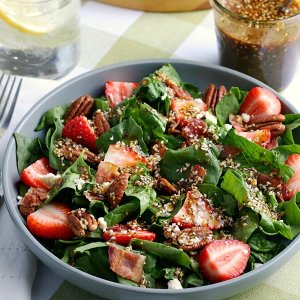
{"points": [[79, 182], [50, 179], [245, 117], [174, 284], [102, 223], [228, 126], [211, 118]]}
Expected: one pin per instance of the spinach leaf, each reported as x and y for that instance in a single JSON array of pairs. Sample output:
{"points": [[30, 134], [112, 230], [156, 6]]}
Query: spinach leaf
{"points": [[252, 155], [121, 213], [219, 198], [292, 121], [102, 104], [247, 223], [228, 105], [28, 151], [89, 246], [292, 213], [166, 253], [239, 94], [152, 122], [145, 194], [177, 164], [234, 184], [282, 152], [70, 178], [51, 116], [260, 243], [126, 131]]}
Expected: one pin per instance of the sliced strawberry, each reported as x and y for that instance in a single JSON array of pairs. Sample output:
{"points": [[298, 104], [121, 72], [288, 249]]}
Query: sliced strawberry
{"points": [[184, 110], [106, 172], [196, 211], [260, 137], [51, 222], [292, 186], [123, 234], [32, 175], [223, 259], [193, 130], [260, 102], [117, 91], [80, 131], [124, 156]]}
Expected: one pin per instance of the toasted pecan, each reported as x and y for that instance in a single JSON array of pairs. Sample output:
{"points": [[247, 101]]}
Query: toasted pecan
{"points": [[81, 222], [101, 123], [81, 106], [116, 190]]}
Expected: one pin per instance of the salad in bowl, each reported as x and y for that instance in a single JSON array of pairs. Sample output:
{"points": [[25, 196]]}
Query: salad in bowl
{"points": [[158, 184]]}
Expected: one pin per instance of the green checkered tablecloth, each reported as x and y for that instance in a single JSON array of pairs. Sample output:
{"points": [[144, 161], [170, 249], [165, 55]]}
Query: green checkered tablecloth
{"points": [[110, 35]]}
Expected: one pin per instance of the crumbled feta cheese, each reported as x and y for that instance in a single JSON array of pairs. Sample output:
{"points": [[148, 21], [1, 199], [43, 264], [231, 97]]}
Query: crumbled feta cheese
{"points": [[245, 117], [164, 96], [19, 198], [79, 182], [211, 118], [174, 284], [257, 265], [102, 223], [228, 126], [50, 179]]}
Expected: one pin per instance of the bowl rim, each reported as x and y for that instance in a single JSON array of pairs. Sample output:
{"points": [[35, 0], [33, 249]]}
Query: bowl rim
{"points": [[46, 256]]}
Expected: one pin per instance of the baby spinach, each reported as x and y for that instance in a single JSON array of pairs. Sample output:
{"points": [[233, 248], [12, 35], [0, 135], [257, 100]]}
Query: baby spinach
{"points": [[168, 253]]}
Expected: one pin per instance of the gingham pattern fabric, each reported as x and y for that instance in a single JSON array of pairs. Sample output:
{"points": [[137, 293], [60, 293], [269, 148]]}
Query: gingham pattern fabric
{"points": [[110, 35]]}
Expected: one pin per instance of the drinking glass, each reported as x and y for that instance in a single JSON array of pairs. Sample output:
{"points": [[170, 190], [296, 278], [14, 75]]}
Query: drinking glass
{"points": [[265, 49], [39, 38]]}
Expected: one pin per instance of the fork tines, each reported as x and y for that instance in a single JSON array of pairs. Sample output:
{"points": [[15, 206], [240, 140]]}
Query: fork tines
{"points": [[9, 90]]}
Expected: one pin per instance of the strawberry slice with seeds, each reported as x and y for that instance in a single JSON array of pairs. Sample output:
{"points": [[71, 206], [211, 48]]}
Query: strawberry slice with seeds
{"points": [[261, 102], [106, 172], [292, 186], [80, 131], [117, 91], [184, 110], [51, 222], [32, 175], [260, 137], [123, 234], [223, 259], [124, 156], [197, 211]]}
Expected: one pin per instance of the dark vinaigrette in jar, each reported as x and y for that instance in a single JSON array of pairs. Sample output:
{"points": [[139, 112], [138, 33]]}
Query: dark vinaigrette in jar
{"points": [[263, 41]]}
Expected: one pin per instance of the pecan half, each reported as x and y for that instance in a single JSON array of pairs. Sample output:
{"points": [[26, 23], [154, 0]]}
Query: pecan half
{"points": [[271, 122], [101, 123], [81, 106], [194, 238], [164, 185], [81, 222], [116, 190], [213, 95], [66, 148]]}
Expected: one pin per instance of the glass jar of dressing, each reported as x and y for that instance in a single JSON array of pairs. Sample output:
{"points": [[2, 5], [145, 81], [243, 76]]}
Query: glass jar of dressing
{"points": [[259, 38]]}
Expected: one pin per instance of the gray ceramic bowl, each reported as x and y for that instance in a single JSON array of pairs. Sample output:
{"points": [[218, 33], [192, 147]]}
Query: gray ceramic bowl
{"points": [[93, 83]]}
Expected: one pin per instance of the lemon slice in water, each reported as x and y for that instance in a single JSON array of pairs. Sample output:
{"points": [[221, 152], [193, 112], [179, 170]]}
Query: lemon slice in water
{"points": [[26, 19]]}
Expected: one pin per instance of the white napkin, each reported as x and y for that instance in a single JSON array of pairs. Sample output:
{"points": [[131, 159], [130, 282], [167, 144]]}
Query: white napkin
{"points": [[17, 264]]}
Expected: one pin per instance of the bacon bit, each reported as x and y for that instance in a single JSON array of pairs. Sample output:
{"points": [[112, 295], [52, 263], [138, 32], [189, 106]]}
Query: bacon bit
{"points": [[229, 151], [32, 199], [126, 263]]}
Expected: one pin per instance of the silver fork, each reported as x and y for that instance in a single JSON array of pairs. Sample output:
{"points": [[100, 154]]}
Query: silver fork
{"points": [[9, 91]]}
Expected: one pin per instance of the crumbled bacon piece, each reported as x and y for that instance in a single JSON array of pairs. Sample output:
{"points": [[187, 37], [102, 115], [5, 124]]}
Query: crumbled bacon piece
{"points": [[32, 199], [126, 263]]}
